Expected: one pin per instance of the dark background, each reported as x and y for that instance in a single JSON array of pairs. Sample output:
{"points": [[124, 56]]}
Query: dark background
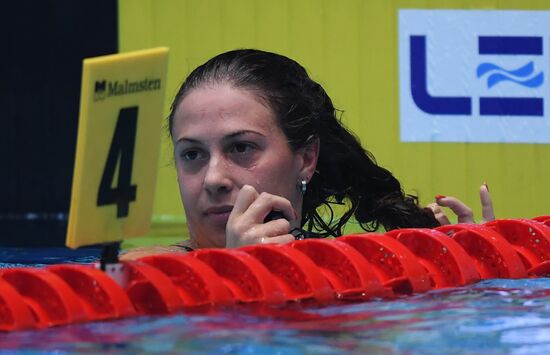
{"points": [[41, 51]]}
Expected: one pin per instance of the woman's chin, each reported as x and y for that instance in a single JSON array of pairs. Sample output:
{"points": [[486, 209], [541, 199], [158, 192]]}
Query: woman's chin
{"points": [[211, 238]]}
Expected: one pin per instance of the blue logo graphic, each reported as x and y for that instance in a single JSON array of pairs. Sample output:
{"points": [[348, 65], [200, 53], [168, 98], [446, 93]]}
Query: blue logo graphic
{"points": [[499, 74], [489, 106], [419, 88]]}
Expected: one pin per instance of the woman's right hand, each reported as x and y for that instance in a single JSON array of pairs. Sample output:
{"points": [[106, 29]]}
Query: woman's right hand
{"points": [[246, 225]]}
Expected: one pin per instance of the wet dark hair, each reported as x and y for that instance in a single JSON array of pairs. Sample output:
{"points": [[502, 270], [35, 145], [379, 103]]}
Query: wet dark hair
{"points": [[345, 171]]}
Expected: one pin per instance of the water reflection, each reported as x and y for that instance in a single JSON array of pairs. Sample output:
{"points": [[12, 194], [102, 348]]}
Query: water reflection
{"points": [[496, 316]]}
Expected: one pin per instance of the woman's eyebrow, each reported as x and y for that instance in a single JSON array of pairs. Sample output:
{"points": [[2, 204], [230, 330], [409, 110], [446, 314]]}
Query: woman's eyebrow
{"points": [[227, 137], [242, 133], [188, 140]]}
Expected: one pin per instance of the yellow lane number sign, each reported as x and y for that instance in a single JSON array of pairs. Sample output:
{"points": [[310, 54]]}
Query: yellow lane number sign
{"points": [[121, 110]]}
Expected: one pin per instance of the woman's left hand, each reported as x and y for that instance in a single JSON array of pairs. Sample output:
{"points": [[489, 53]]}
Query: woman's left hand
{"points": [[463, 212]]}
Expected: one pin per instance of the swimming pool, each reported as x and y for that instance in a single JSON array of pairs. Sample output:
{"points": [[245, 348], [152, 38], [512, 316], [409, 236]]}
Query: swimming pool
{"points": [[495, 315], [492, 317]]}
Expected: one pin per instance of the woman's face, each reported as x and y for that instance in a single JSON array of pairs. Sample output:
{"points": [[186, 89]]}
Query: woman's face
{"points": [[224, 138]]}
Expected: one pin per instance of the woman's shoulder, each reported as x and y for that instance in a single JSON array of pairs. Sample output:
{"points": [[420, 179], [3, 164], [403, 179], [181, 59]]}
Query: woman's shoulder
{"points": [[136, 253]]}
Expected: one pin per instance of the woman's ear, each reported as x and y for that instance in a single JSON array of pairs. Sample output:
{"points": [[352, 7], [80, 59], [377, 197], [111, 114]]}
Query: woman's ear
{"points": [[310, 155]]}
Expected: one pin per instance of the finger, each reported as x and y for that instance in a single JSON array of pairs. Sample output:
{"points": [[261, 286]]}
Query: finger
{"points": [[258, 233], [272, 228], [280, 239], [265, 203], [463, 212], [487, 211], [245, 231], [244, 199], [439, 215]]}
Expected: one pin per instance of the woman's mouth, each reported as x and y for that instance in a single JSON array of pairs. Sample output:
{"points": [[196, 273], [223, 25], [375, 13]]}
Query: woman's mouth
{"points": [[218, 215]]}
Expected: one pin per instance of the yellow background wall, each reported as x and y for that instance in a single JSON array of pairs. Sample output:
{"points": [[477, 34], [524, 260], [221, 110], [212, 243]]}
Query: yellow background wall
{"points": [[350, 47]]}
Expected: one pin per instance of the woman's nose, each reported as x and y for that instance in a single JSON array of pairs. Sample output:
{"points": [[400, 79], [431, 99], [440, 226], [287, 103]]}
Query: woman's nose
{"points": [[217, 177]]}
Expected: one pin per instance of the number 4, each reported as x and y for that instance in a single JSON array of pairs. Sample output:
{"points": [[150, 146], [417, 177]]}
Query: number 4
{"points": [[122, 145]]}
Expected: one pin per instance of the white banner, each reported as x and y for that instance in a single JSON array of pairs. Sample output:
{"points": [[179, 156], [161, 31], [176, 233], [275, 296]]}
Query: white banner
{"points": [[474, 76]]}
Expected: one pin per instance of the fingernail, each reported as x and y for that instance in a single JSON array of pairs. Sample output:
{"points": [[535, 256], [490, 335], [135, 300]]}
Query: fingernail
{"points": [[486, 186], [437, 197]]}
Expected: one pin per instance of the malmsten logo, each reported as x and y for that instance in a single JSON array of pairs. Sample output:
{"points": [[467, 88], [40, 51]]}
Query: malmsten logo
{"points": [[104, 89]]}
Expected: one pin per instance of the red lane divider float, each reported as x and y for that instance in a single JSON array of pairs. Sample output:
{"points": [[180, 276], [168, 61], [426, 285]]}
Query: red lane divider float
{"points": [[447, 262], [531, 240], [247, 278], [353, 267], [395, 265], [297, 275], [150, 290], [199, 286], [14, 312], [100, 295], [543, 219], [492, 254], [350, 274], [50, 300]]}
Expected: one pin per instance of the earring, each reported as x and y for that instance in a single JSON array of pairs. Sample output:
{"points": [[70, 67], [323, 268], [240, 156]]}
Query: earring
{"points": [[303, 186]]}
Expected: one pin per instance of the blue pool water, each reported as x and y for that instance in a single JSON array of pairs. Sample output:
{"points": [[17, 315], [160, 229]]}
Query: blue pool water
{"points": [[491, 317]]}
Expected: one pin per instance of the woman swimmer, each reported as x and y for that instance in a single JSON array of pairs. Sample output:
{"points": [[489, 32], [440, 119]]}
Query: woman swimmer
{"points": [[253, 134]]}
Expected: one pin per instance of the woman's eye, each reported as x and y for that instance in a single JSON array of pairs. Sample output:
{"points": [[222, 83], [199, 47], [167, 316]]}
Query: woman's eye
{"points": [[241, 147], [191, 155]]}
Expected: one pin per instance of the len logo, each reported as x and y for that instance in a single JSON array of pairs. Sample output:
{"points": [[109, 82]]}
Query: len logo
{"points": [[524, 76], [474, 76]]}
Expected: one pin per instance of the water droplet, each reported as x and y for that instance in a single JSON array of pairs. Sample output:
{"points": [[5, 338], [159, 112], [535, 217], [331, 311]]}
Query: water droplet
{"points": [[444, 250]]}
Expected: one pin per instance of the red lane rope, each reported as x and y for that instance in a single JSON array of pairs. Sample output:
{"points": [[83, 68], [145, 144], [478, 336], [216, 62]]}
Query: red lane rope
{"points": [[493, 255], [394, 264], [447, 263], [199, 286], [297, 275], [353, 267], [100, 295]]}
